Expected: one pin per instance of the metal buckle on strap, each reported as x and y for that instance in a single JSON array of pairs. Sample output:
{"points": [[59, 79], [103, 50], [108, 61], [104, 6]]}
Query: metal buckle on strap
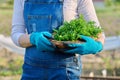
{"points": [[76, 55]]}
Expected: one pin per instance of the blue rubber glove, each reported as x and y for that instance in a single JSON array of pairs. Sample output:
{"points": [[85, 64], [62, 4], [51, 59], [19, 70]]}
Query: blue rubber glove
{"points": [[40, 39], [89, 47]]}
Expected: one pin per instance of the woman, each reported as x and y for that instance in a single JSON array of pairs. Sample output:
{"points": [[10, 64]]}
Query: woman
{"points": [[33, 22]]}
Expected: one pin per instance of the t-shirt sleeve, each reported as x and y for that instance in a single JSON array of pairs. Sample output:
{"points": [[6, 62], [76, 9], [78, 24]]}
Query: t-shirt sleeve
{"points": [[86, 8], [18, 26]]}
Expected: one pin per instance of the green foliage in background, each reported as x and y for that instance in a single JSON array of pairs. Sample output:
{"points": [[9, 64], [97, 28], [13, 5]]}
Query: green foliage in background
{"points": [[118, 1], [108, 2], [11, 63], [10, 2], [112, 2], [14, 67]]}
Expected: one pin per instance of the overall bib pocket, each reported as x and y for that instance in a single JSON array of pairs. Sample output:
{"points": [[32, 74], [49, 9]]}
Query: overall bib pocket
{"points": [[39, 23]]}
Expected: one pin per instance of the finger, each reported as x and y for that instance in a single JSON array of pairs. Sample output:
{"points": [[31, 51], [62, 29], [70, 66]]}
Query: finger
{"points": [[47, 34], [45, 40]]}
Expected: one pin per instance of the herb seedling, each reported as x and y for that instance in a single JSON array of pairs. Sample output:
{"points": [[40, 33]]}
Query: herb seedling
{"points": [[71, 31]]}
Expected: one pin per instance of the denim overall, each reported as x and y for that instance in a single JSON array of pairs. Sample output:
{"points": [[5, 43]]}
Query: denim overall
{"points": [[45, 15]]}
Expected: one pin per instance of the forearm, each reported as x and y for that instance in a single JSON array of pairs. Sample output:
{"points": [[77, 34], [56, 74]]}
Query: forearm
{"points": [[24, 40], [19, 36]]}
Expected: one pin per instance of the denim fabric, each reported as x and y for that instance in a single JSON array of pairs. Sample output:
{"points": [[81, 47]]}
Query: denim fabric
{"points": [[45, 15], [66, 69]]}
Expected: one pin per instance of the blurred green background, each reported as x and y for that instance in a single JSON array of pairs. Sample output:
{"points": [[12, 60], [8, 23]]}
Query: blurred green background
{"points": [[108, 13]]}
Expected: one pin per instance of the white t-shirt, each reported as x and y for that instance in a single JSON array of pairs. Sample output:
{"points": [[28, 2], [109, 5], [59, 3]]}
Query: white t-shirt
{"points": [[71, 10]]}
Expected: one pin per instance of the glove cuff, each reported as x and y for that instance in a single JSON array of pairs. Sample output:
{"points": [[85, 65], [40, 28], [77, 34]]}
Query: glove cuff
{"points": [[32, 37], [100, 47]]}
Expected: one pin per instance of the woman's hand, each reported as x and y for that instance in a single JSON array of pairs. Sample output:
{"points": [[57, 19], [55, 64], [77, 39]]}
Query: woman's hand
{"points": [[40, 40], [90, 46]]}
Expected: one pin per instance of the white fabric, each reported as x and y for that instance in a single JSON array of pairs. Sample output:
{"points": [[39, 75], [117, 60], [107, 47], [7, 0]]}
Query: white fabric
{"points": [[71, 10]]}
